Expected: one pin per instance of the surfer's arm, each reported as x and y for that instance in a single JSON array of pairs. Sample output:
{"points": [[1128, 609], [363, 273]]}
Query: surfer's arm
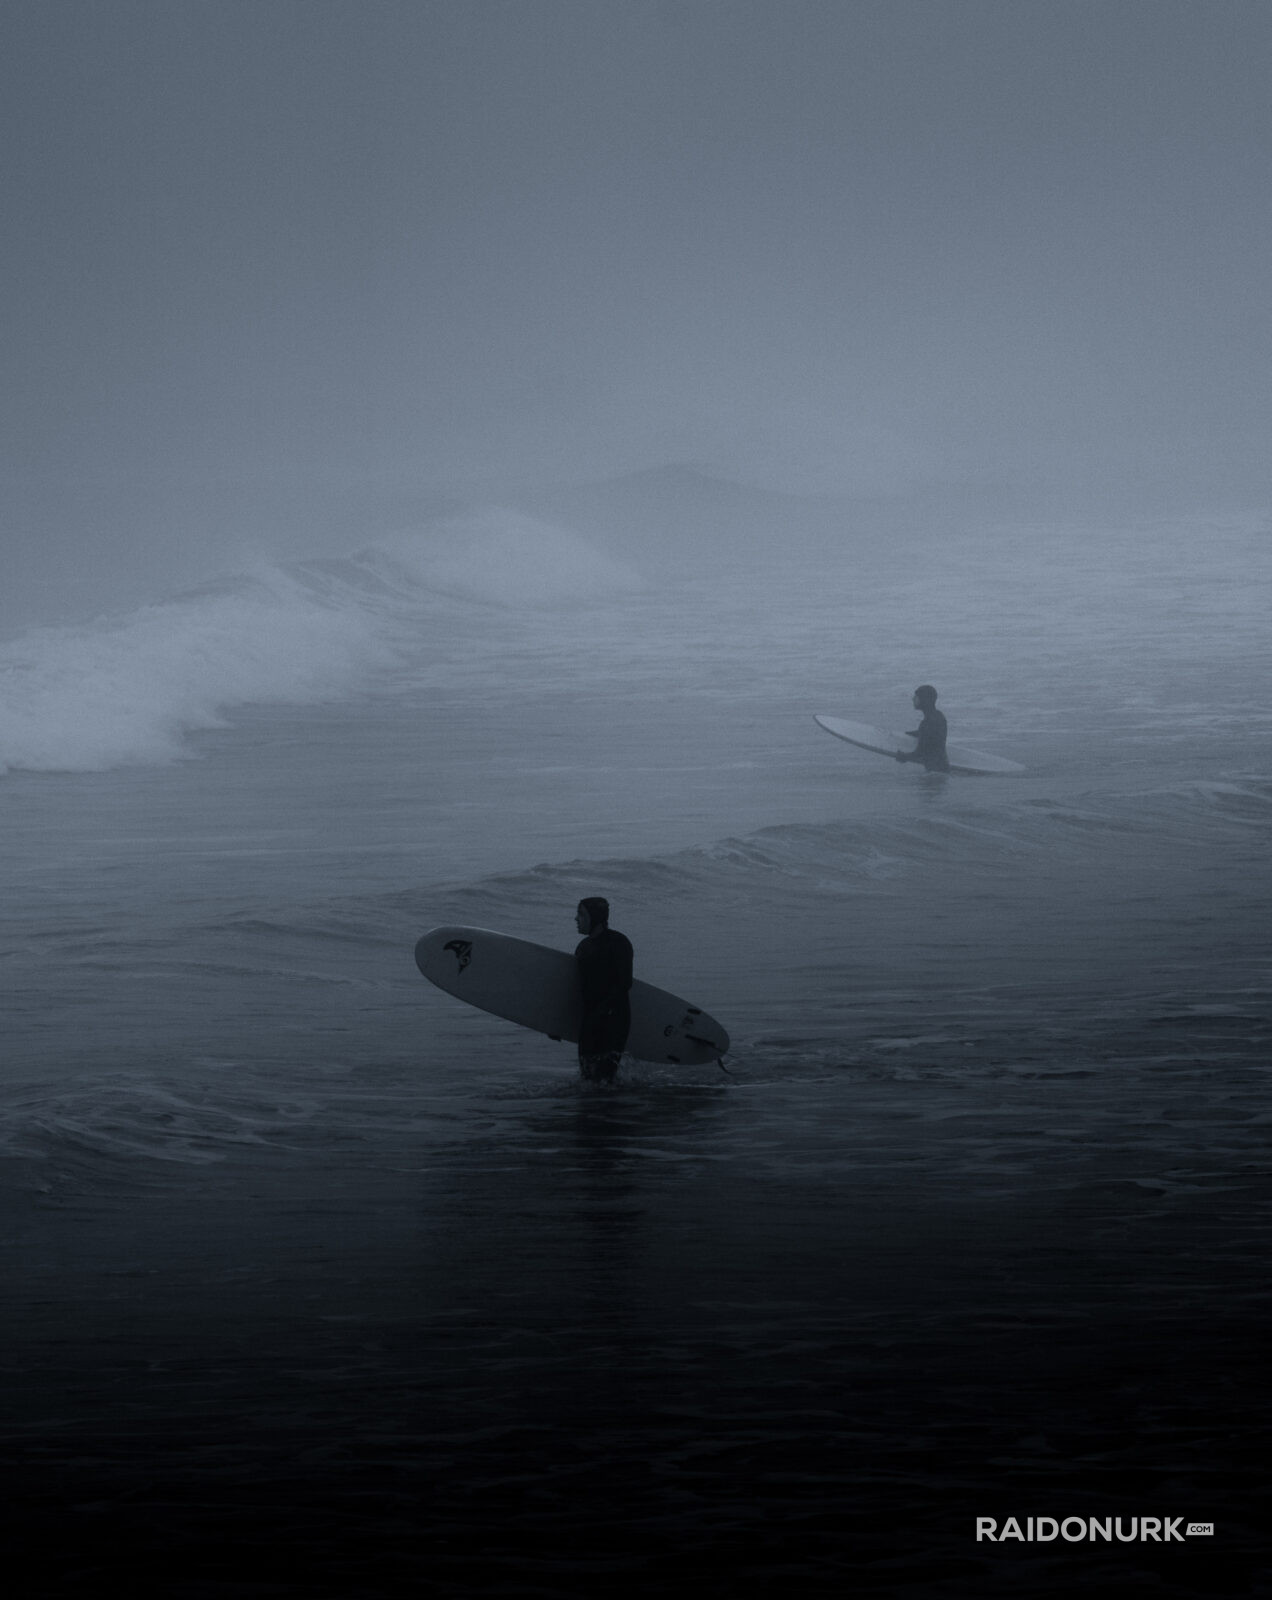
{"points": [[929, 743]]}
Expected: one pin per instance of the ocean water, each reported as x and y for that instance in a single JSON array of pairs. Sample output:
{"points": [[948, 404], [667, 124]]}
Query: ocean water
{"points": [[319, 1283]]}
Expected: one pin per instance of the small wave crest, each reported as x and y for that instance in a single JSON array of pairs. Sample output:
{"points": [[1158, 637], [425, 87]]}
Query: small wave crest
{"points": [[974, 848]]}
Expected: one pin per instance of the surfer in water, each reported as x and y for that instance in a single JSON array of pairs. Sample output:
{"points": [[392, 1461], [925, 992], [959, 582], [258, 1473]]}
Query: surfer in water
{"points": [[604, 958], [930, 733]]}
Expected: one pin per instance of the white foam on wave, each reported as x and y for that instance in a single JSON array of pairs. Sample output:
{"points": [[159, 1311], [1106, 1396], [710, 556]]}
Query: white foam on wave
{"points": [[128, 690]]}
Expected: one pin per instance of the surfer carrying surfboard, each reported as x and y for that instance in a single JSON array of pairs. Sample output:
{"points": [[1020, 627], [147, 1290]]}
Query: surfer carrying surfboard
{"points": [[604, 958], [930, 733]]}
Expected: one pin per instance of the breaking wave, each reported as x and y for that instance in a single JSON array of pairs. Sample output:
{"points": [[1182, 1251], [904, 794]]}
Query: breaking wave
{"points": [[129, 689]]}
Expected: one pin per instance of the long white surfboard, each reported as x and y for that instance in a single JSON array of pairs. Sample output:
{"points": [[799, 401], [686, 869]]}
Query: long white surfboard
{"points": [[974, 763], [538, 987]]}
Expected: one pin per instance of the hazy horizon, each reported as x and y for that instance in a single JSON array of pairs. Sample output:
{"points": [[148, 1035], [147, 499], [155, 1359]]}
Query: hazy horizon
{"points": [[278, 268]]}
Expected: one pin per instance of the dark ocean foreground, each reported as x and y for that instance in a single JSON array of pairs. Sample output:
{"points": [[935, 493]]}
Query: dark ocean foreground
{"points": [[655, 1338]]}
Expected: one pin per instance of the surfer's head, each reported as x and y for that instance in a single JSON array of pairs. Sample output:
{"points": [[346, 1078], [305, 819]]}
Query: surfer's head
{"points": [[925, 697], [593, 914]]}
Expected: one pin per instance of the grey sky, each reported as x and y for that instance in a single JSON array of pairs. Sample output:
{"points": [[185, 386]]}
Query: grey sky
{"points": [[852, 246]]}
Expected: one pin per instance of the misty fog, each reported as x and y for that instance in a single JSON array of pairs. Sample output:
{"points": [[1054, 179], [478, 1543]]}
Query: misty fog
{"points": [[284, 276]]}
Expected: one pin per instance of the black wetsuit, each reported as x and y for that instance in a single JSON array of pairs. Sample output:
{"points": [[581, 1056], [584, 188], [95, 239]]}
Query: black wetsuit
{"points": [[931, 736], [605, 979]]}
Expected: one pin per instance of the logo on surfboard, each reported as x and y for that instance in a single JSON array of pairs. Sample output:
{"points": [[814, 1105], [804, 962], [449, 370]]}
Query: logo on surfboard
{"points": [[463, 949]]}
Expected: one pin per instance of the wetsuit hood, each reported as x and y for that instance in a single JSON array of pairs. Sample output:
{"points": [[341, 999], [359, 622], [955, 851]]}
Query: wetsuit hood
{"points": [[597, 911]]}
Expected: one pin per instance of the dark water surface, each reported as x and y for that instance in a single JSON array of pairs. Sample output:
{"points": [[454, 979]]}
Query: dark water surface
{"points": [[316, 1283], [640, 1338], [642, 1334]]}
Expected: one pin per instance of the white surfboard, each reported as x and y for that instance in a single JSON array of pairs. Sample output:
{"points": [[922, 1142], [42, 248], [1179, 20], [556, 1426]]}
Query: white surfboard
{"points": [[538, 987], [973, 763]]}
